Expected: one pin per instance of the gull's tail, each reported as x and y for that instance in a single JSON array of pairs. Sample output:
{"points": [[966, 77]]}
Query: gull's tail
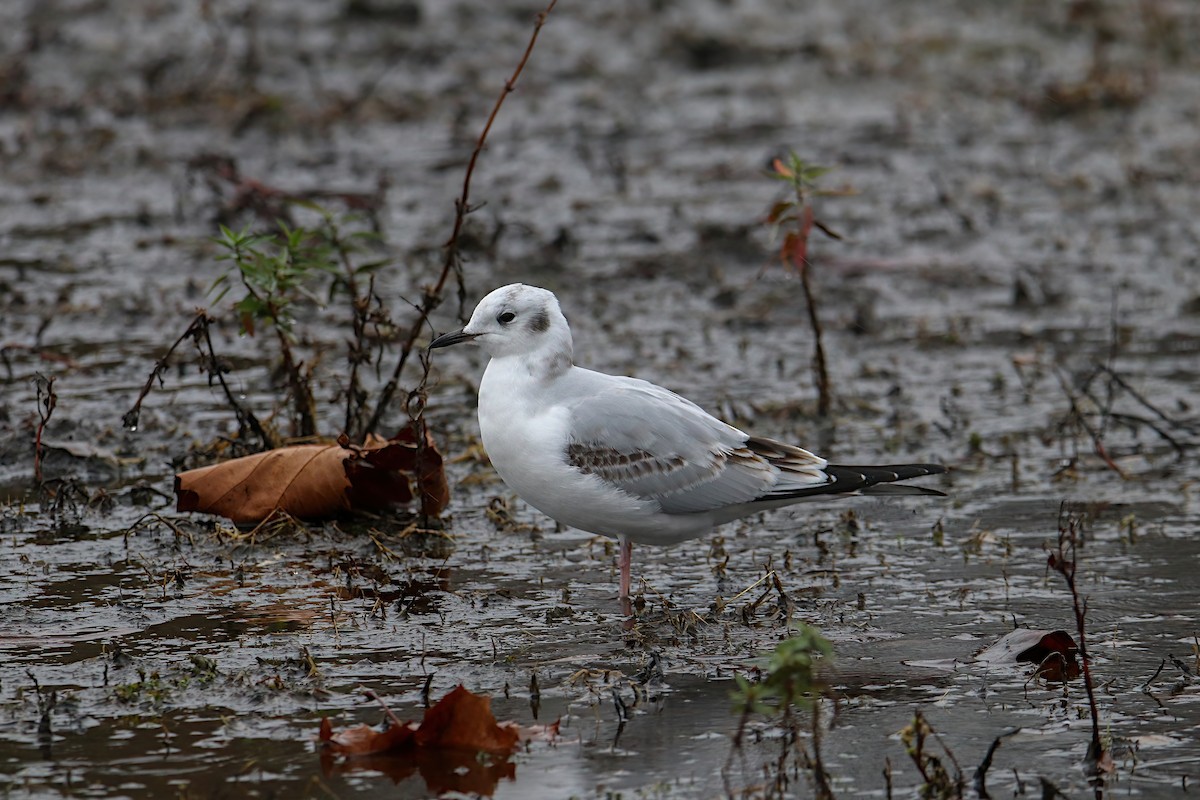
{"points": [[803, 475]]}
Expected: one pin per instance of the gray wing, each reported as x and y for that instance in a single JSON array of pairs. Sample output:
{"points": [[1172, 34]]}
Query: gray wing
{"points": [[653, 444]]}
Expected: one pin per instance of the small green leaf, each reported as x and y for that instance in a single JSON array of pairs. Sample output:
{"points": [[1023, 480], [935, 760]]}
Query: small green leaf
{"points": [[372, 266]]}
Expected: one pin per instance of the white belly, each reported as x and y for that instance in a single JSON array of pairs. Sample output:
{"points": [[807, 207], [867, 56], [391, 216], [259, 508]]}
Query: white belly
{"points": [[526, 440]]}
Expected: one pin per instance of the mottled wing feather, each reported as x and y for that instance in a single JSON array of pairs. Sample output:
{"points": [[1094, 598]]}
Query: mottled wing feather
{"points": [[798, 468], [656, 445], [653, 444]]}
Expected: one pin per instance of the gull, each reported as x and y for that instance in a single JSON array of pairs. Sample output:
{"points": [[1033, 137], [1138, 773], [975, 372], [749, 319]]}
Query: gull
{"points": [[622, 457]]}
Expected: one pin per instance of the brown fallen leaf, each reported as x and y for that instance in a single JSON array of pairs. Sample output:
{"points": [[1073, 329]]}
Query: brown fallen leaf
{"points": [[464, 721], [364, 740], [444, 747], [461, 720], [1054, 652], [318, 480], [431, 473]]}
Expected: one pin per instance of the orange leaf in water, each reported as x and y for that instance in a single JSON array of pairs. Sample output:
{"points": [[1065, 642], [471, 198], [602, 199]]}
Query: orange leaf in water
{"points": [[363, 740], [459, 721], [442, 770], [462, 720], [316, 481], [444, 747]]}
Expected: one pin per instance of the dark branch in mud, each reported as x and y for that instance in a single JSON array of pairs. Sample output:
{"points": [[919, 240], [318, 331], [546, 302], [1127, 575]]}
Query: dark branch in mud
{"points": [[1140, 398], [47, 400], [1076, 416], [824, 401], [198, 332], [131, 417], [1157, 672], [47, 700], [1092, 410], [821, 786], [1063, 561], [986, 764], [365, 310], [235, 194]]}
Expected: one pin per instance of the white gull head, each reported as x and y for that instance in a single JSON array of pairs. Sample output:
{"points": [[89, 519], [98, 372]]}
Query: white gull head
{"points": [[518, 320]]}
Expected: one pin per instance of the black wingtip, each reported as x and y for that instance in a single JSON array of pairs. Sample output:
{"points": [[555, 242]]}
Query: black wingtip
{"points": [[902, 490], [877, 480], [885, 473], [881, 479]]}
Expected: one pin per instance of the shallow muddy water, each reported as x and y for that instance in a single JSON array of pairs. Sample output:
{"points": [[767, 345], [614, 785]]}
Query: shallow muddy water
{"points": [[1016, 192]]}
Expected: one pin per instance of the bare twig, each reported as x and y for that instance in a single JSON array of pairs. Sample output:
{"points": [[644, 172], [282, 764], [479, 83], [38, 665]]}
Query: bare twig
{"points": [[1079, 416], [824, 400], [271, 204], [1157, 672], [361, 316], [130, 419], [245, 417], [197, 331], [986, 764], [1134, 420], [1093, 408], [452, 260], [391, 715], [46, 702], [144, 522], [938, 782], [822, 789], [1063, 561], [1140, 398], [47, 400]]}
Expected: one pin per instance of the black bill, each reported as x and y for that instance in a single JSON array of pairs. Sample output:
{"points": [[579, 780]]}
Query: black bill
{"points": [[454, 337]]}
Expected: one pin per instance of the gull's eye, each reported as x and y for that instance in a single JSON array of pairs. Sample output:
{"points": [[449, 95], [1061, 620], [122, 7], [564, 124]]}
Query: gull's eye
{"points": [[506, 317]]}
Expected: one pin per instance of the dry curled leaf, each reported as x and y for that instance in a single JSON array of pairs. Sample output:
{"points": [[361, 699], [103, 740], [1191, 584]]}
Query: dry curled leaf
{"points": [[461, 720], [444, 747], [318, 480], [464, 721], [1052, 651], [363, 740], [431, 472]]}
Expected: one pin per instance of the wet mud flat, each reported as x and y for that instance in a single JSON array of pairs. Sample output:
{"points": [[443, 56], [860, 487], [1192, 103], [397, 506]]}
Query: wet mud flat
{"points": [[1019, 215]]}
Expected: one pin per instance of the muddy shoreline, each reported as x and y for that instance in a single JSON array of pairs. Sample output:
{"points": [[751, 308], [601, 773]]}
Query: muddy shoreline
{"points": [[1014, 186]]}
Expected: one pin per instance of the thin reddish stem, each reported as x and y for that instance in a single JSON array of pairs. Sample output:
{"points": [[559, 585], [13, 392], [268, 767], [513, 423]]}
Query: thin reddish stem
{"points": [[433, 296]]}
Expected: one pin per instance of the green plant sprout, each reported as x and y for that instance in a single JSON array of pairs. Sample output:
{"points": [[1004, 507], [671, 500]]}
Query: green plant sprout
{"points": [[278, 271], [792, 680], [791, 676]]}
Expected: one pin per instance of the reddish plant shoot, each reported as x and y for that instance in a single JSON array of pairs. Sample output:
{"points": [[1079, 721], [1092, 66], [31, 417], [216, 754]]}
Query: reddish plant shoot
{"points": [[796, 217]]}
